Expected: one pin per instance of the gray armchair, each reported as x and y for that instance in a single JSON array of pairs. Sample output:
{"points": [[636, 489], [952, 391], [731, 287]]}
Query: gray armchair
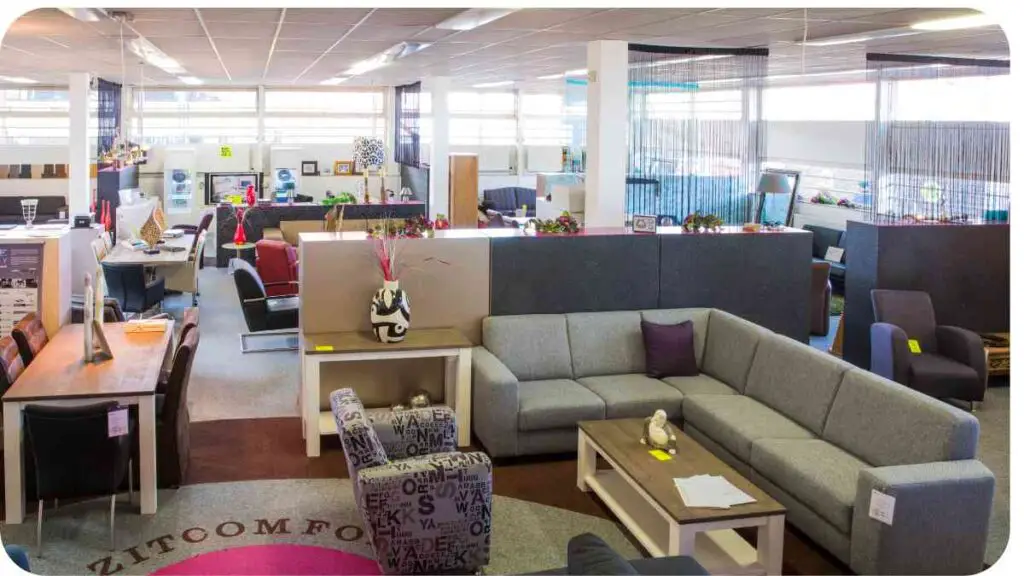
{"points": [[404, 465], [951, 363]]}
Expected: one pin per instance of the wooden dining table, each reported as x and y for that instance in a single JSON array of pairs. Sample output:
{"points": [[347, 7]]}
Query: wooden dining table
{"points": [[121, 254], [58, 376]]}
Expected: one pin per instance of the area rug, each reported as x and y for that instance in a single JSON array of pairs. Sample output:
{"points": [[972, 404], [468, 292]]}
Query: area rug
{"points": [[245, 528]]}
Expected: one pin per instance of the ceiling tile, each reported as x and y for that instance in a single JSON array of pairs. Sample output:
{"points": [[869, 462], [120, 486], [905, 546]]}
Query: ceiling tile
{"points": [[411, 16], [384, 33], [318, 31], [261, 15], [303, 45], [540, 19], [241, 30], [162, 28], [325, 16]]}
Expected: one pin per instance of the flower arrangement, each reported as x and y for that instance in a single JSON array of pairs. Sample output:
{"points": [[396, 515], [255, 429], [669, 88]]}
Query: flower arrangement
{"points": [[441, 222], [564, 224], [385, 248], [698, 221], [415, 227], [341, 198], [827, 199]]}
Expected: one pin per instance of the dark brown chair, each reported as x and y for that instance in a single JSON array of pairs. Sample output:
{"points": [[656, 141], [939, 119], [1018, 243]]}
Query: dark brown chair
{"points": [[30, 336], [821, 297], [189, 322], [11, 364], [172, 424]]}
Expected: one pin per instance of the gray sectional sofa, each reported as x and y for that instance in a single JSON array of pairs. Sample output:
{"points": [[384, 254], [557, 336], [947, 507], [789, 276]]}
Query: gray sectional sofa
{"points": [[816, 433]]}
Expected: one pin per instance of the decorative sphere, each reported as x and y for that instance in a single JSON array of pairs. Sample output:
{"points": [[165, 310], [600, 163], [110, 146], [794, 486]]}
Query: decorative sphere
{"points": [[420, 399]]}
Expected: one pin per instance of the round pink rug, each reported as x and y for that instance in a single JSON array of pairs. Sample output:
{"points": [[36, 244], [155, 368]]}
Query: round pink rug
{"points": [[270, 559]]}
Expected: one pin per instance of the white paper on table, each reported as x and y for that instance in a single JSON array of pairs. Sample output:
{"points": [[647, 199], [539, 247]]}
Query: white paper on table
{"points": [[705, 491]]}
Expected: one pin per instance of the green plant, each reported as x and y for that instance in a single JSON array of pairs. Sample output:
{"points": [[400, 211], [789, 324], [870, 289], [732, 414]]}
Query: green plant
{"points": [[341, 198], [699, 220], [564, 224]]}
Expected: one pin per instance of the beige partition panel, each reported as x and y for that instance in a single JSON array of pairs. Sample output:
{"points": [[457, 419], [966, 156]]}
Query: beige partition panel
{"points": [[448, 284]]}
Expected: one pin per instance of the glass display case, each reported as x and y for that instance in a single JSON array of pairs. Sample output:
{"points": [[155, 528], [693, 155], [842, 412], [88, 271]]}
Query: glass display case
{"points": [[178, 190]]}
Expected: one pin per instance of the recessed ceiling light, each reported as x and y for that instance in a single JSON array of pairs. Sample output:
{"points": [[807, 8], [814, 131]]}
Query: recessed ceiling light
{"points": [[17, 80], [154, 56], [578, 72], [550, 76], [333, 81], [86, 14], [400, 50], [958, 23], [494, 84], [473, 18], [858, 38], [191, 80]]}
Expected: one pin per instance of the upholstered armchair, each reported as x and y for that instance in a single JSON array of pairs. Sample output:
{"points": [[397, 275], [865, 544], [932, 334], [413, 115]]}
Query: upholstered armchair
{"points": [[951, 362], [278, 266], [405, 468]]}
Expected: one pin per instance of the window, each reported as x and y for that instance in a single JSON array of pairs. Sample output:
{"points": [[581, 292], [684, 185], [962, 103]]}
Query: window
{"points": [[962, 99], [322, 117], [837, 102], [482, 118], [543, 120], [34, 116], [194, 116]]}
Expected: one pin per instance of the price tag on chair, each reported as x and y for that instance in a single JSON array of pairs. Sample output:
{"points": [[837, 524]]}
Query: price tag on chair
{"points": [[915, 346], [117, 422]]}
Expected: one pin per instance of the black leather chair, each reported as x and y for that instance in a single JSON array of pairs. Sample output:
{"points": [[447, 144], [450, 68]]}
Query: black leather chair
{"points": [[127, 284], [951, 361], [73, 455], [262, 312]]}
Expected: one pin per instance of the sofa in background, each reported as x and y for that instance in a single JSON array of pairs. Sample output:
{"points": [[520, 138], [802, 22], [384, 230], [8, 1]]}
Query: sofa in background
{"points": [[509, 199], [49, 208], [587, 554], [815, 432], [824, 238], [951, 362], [821, 298]]}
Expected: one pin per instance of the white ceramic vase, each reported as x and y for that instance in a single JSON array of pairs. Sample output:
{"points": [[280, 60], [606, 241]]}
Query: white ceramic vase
{"points": [[389, 313]]}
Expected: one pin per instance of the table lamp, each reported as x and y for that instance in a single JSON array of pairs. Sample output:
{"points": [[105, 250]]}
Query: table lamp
{"points": [[770, 183]]}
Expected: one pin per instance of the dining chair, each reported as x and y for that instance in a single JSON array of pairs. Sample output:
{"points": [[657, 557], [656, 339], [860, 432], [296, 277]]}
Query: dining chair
{"points": [[74, 456], [11, 364], [185, 278], [127, 283], [190, 321], [30, 336]]}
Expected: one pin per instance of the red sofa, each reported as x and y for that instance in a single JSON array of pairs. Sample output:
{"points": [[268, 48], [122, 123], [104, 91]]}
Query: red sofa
{"points": [[278, 267]]}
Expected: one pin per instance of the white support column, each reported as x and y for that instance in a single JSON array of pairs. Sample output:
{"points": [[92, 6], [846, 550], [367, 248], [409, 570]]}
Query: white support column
{"points": [[439, 145], [607, 126], [79, 150]]}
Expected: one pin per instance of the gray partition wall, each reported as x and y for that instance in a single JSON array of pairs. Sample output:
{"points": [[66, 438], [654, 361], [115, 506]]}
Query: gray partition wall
{"points": [[965, 269], [764, 278]]}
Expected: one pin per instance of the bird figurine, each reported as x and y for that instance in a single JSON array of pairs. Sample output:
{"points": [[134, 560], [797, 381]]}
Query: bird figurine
{"points": [[657, 434]]}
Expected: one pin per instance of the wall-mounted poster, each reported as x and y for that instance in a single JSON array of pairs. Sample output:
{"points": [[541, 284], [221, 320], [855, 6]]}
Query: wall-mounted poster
{"points": [[21, 270]]}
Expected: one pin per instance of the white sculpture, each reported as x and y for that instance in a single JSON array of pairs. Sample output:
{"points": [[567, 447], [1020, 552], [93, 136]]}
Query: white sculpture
{"points": [[657, 433]]}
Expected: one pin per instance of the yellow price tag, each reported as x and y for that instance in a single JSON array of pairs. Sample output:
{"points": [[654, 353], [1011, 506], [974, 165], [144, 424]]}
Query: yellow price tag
{"points": [[226, 152], [661, 455], [324, 348], [915, 346]]}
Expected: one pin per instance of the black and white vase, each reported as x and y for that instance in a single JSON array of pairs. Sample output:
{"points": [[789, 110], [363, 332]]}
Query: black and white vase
{"points": [[389, 313]]}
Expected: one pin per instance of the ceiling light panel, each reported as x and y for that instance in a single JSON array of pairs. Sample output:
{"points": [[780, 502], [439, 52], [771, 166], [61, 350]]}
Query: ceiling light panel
{"points": [[17, 80], [473, 18], [958, 23], [154, 56]]}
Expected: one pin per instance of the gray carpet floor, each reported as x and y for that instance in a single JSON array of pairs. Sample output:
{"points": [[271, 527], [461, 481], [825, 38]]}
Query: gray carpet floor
{"points": [[526, 537]]}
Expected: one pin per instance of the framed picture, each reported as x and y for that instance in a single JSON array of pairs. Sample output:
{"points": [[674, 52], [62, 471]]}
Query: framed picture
{"points": [[644, 224], [343, 168], [309, 168]]}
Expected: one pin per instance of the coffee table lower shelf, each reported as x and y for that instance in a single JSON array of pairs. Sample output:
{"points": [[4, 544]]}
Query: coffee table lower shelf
{"points": [[715, 544]]}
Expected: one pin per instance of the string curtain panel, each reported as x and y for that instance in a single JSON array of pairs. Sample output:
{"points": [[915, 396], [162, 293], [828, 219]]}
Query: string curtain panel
{"points": [[108, 114], [407, 124], [939, 149], [696, 136]]}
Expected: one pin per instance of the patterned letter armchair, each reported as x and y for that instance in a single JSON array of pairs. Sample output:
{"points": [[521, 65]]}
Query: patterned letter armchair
{"points": [[426, 506]]}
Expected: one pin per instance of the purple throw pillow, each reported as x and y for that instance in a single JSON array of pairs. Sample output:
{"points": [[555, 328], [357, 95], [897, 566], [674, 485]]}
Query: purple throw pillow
{"points": [[669, 349]]}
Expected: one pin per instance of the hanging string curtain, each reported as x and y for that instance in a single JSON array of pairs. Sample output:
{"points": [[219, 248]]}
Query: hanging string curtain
{"points": [[108, 114], [407, 124], [696, 138], [939, 148]]}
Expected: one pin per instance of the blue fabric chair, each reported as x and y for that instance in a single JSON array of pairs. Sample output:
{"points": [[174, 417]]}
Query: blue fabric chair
{"points": [[18, 555], [507, 200]]}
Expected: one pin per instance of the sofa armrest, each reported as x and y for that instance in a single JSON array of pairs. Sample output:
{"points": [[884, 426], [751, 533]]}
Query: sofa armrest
{"points": [[890, 352], [963, 346], [415, 432], [444, 498], [939, 523], [495, 404]]}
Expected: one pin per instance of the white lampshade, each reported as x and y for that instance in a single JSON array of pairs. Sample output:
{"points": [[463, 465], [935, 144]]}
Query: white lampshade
{"points": [[774, 183]]}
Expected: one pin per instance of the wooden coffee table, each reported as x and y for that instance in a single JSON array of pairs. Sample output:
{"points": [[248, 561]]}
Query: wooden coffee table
{"points": [[640, 491]]}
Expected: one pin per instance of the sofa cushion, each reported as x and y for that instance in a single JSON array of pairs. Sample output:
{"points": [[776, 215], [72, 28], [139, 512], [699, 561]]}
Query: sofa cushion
{"points": [[736, 422], [823, 238], [699, 317], [937, 373], [887, 424], [634, 395], [669, 349], [534, 347], [604, 343], [699, 384], [795, 379], [729, 352], [820, 475], [547, 404]]}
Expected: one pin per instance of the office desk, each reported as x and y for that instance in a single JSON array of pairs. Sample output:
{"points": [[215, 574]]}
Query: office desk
{"points": [[121, 254], [58, 376]]}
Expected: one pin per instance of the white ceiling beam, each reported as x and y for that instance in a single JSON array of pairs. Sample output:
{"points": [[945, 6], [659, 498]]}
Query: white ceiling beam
{"points": [[212, 43], [273, 43]]}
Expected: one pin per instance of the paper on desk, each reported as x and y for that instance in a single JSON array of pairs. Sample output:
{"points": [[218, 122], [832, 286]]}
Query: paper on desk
{"points": [[705, 491]]}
